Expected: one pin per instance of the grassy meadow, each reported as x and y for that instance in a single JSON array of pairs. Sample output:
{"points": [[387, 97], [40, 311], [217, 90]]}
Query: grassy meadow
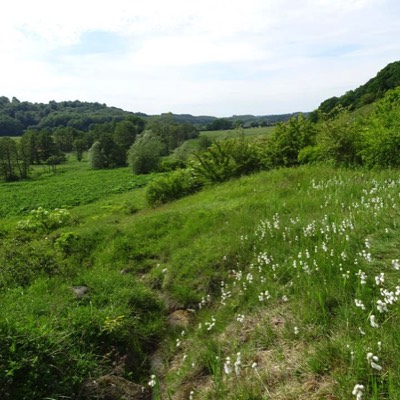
{"points": [[287, 282]]}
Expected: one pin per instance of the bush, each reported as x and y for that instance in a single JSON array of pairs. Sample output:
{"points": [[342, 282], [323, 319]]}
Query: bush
{"points": [[339, 139], [178, 184], [288, 140], [227, 159], [382, 133], [43, 220]]}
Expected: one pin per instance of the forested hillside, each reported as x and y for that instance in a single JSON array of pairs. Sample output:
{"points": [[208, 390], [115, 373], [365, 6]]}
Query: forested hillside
{"points": [[386, 79], [18, 116]]}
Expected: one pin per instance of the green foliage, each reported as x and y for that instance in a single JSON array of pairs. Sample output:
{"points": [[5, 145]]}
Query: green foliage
{"points": [[386, 79], [288, 139], [14, 162], [96, 157], [51, 342], [340, 139], [71, 187], [173, 186], [144, 155], [381, 133], [68, 242], [44, 220], [228, 159]]}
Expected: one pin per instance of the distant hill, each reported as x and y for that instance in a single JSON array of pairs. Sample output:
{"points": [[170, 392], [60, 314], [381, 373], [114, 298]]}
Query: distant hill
{"points": [[16, 116], [214, 123], [386, 79]]}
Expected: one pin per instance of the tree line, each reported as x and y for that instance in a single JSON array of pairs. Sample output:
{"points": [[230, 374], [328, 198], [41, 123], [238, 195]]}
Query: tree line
{"points": [[108, 143]]}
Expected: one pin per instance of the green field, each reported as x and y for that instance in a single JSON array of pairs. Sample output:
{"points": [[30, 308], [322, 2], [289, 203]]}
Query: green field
{"points": [[73, 184], [248, 132]]}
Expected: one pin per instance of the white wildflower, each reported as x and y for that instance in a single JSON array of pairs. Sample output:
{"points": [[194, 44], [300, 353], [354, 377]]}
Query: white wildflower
{"points": [[360, 304], [152, 382], [237, 364], [373, 361], [227, 366], [358, 391], [373, 323], [381, 306], [240, 318], [379, 279]]}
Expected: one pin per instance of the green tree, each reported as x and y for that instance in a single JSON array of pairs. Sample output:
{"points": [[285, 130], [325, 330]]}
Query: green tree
{"points": [[13, 164], [79, 146], [96, 157], [144, 155]]}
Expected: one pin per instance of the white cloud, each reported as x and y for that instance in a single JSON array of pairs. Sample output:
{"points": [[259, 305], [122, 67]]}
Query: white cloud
{"points": [[218, 57]]}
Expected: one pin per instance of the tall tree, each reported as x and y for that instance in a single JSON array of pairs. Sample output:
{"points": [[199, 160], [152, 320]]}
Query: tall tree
{"points": [[144, 155]]}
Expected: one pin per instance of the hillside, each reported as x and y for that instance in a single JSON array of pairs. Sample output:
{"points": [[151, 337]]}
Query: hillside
{"points": [[17, 116], [386, 79], [262, 287]]}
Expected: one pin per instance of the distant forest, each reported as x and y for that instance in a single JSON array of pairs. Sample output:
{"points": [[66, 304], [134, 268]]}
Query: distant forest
{"points": [[18, 116], [386, 79]]}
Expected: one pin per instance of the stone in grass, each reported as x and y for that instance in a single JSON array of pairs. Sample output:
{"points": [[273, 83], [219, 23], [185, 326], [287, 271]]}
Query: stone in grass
{"points": [[110, 387], [80, 291]]}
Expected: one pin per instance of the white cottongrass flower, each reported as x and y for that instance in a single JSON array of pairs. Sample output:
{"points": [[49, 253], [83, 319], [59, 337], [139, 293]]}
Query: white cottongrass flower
{"points": [[373, 361], [381, 306], [361, 331], [359, 303], [372, 321], [363, 277], [237, 364], [396, 264], [379, 279], [191, 394], [227, 366], [152, 382], [264, 296], [254, 365], [358, 391], [240, 318], [296, 330]]}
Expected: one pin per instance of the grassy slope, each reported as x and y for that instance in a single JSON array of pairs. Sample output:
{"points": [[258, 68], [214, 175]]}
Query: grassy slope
{"points": [[303, 235]]}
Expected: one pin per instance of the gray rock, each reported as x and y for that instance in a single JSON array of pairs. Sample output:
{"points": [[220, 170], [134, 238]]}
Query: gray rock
{"points": [[80, 291]]}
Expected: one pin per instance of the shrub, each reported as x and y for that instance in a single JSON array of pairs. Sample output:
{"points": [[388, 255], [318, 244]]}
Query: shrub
{"points": [[227, 159], [44, 220], [288, 140], [382, 133], [339, 139], [178, 184]]}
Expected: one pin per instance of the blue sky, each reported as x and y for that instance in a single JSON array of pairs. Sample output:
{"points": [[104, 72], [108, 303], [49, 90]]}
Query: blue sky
{"points": [[205, 58]]}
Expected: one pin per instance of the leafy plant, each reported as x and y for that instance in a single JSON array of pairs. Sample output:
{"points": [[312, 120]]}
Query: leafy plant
{"points": [[173, 186], [227, 159]]}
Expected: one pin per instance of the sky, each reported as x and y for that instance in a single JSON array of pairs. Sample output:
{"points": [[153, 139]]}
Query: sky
{"points": [[208, 57]]}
